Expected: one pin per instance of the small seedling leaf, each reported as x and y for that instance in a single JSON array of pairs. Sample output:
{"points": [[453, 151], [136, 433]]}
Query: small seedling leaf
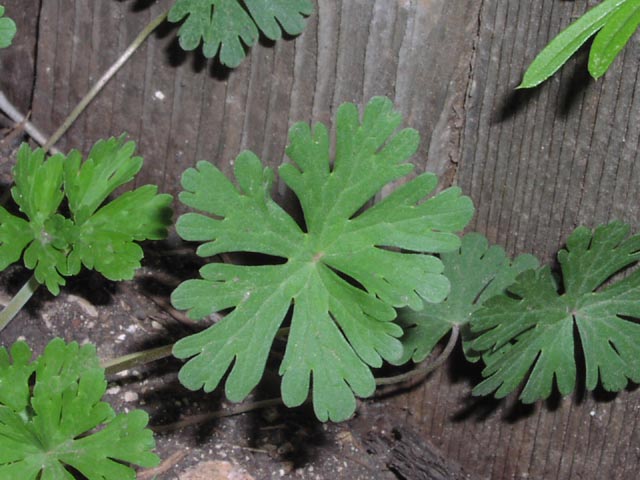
{"points": [[97, 235]]}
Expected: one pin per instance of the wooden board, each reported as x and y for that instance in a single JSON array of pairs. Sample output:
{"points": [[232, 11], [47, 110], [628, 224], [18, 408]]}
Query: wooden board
{"points": [[536, 163]]}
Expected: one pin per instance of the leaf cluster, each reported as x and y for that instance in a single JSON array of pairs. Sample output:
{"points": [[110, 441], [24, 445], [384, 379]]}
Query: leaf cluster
{"points": [[343, 273], [613, 22], [226, 26], [100, 237], [61, 422]]}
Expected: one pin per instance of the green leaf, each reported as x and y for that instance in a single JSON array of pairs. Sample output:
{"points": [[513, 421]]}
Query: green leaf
{"points": [[225, 25], [44, 238], [477, 272], [613, 37], [100, 237], [338, 330], [529, 332], [109, 165], [7, 29], [45, 431], [567, 42]]}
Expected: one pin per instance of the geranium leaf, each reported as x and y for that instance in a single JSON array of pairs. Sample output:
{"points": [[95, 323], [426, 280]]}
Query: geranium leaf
{"points": [[226, 26], [44, 432], [477, 272], [338, 330], [529, 332], [100, 236]]}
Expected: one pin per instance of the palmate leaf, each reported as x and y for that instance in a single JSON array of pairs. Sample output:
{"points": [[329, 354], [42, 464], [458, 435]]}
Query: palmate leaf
{"points": [[616, 18], [477, 272], [338, 330], [225, 25], [44, 432], [7, 29], [98, 237], [529, 332]]}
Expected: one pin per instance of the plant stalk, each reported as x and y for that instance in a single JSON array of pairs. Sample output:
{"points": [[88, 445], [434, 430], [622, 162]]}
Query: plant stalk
{"points": [[18, 301], [99, 85], [425, 367], [207, 417], [125, 362], [12, 112]]}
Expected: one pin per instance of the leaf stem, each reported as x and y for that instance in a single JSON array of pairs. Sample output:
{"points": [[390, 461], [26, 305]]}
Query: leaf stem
{"points": [[18, 117], [205, 417], [99, 85], [135, 359], [425, 367], [18, 301]]}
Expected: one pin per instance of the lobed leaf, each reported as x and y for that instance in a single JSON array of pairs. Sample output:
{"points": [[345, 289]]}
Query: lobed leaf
{"points": [[528, 333], [98, 237], [226, 26], [44, 432], [477, 272], [343, 274]]}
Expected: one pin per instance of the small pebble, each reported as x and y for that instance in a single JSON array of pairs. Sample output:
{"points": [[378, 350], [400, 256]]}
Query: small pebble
{"points": [[130, 397]]}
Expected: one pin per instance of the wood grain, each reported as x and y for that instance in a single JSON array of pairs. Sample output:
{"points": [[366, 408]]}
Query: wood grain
{"points": [[536, 163]]}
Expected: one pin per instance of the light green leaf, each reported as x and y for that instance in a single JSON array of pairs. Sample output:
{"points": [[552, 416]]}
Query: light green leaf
{"points": [[7, 29], [44, 238], [477, 272], [529, 332], [338, 331], [228, 25], [109, 165], [567, 42], [15, 235], [101, 238], [44, 432], [613, 37]]}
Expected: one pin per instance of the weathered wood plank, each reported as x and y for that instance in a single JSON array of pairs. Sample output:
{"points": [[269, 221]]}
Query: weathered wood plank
{"points": [[17, 63]]}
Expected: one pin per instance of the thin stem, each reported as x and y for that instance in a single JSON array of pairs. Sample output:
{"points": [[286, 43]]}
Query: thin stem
{"points": [[136, 359], [18, 117], [205, 417], [18, 301], [99, 85], [424, 368]]}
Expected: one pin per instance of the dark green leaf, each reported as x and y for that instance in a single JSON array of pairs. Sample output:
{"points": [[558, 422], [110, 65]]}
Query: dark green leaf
{"points": [[228, 25], [477, 272], [528, 333]]}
